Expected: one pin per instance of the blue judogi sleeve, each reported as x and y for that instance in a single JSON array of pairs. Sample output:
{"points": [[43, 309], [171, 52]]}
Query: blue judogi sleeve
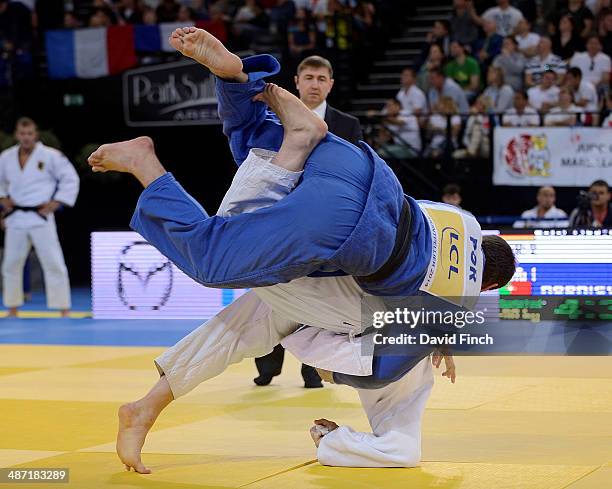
{"points": [[246, 124]]}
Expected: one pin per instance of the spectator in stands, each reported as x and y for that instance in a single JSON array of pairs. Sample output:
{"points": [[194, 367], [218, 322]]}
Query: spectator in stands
{"points": [[15, 28], [199, 9], [500, 94], [464, 70], [566, 41], [505, 16], [100, 18], [439, 35], [544, 96], [594, 64], [490, 46], [281, 15], [521, 114], [149, 16], [364, 15], [607, 123], [250, 21], [582, 17], [585, 94], [477, 134], [441, 86], [543, 61], [605, 32], [594, 209], [302, 36], [444, 111], [463, 28], [411, 97], [527, 41], [130, 11], [71, 21], [544, 214], [167, 11], [563, 114], [186, 15], [512, 63], [451, 195], [400, 135], [435, 61]]}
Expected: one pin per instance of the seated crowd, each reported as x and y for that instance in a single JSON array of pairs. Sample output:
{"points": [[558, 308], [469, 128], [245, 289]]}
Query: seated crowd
{"points": [[504, 67]]}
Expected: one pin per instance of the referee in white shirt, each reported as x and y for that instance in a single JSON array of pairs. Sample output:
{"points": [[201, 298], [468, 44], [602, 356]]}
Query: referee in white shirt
{"points": [[35, 181]]}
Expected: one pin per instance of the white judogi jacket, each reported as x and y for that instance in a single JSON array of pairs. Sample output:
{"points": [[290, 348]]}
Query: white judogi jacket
{"points": [[47, 175]]}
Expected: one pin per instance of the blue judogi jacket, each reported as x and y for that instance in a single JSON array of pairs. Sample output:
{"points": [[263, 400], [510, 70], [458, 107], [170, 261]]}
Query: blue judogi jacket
{"points": [[342, 216]]}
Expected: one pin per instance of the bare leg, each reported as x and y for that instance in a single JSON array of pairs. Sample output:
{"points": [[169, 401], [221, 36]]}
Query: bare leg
{"points": [[12, 312], [303, 129], [207, 50], [135, 421]]}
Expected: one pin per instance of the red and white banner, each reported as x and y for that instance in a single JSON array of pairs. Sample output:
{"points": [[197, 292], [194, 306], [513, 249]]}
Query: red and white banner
{"points": [[561, 156]]}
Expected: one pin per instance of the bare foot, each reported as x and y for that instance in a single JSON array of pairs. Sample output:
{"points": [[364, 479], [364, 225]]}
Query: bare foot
{"points": [[134, 424], [303, 128], [207, 50], [65, 313], [125, 156], [12, 312]]}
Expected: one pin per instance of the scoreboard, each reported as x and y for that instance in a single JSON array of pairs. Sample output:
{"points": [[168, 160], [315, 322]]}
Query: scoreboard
{"points": [[561, 262]]}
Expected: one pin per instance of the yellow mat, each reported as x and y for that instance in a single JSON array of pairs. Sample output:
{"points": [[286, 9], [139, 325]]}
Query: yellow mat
{"points": [[511, 422]]}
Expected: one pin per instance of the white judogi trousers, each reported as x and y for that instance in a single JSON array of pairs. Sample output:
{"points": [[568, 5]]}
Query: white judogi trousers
{"points": [[18, 242], [260, 319]]}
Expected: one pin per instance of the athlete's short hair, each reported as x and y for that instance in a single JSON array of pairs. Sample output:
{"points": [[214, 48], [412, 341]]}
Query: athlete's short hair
{"points": [[500, 263], [25, 122], [315, 62]]}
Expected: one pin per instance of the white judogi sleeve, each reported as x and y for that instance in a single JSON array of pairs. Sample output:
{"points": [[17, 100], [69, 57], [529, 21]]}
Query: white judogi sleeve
{"points": [[395, 414], [67, 179], [3, 177]]}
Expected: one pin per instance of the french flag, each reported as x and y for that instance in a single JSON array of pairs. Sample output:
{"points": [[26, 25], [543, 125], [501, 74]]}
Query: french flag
{"points": [[90, 53]]}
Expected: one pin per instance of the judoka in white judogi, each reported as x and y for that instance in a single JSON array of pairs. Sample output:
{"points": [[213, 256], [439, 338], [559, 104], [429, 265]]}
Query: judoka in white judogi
{"points": [[46, 177], [264, 316]]}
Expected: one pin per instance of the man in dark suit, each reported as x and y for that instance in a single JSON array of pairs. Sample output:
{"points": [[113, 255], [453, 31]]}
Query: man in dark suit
{"points": [[314, 80]]}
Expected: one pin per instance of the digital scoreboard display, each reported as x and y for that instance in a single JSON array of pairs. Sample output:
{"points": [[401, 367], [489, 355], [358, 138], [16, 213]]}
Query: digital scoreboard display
{"points": [[561, 262]]}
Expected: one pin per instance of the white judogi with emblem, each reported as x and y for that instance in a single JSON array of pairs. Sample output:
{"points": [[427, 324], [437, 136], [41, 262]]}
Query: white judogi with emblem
{"points": [[47, 175]]}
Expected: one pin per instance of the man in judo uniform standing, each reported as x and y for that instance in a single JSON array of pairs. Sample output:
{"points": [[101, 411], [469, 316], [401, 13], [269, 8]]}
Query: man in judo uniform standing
{"points": [[347, 214]]}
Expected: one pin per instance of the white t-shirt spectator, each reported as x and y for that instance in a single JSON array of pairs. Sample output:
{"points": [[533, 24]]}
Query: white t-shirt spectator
{"points": [[438, 121], [505, 19], [531, 40], [412, 99], [558, 115], [536, 66], [587, 91], [529, 118], [409, 133], [538, 96], [530, 219], [607, 122], [592, 68]]}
